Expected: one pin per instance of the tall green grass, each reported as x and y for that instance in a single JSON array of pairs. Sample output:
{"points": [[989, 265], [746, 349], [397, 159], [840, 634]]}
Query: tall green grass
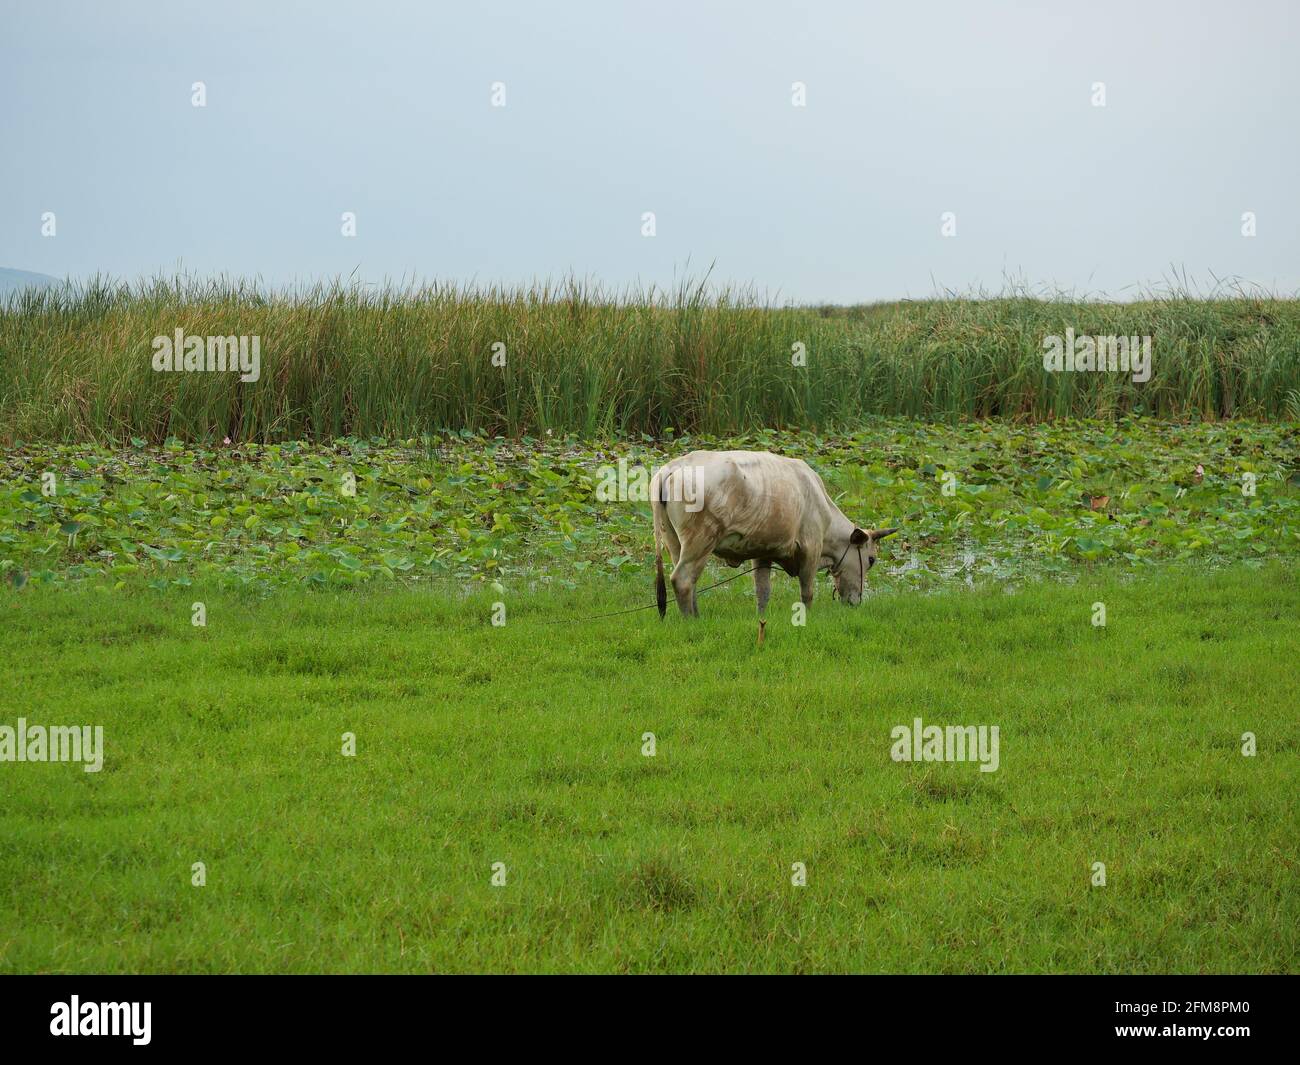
{"points": [[75, 362]]}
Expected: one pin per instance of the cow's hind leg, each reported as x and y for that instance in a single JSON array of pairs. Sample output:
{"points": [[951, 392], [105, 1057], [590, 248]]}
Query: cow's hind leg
{"points": [[694, 558]]}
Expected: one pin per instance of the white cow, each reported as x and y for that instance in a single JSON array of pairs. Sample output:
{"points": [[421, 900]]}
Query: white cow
{"points": [[743, 505]]}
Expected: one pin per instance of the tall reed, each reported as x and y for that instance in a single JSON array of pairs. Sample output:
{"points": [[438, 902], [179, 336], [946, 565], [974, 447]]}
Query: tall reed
{"points": [[75, 361]]}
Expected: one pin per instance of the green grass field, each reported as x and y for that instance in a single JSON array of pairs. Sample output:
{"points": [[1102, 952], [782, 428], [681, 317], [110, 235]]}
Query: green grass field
{"points": [[522, 744]]}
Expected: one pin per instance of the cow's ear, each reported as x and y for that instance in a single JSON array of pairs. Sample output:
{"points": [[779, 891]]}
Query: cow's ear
{"points": [[859, 537], [880, 534]]}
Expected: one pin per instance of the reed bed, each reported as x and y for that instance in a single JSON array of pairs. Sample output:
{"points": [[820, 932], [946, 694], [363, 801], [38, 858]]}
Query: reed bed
{"points": [[346, 360]]}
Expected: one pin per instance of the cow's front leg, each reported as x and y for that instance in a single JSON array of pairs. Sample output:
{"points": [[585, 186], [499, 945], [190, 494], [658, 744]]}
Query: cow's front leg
{"points": [[762, 586], [807, 581]]}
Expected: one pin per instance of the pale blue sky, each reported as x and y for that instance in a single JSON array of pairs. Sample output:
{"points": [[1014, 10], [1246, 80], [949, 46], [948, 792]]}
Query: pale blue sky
{"points": [[913, 109]]}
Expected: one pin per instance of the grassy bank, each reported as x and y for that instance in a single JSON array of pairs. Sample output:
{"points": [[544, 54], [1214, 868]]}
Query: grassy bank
{"points": [[523, 745], [76, 364]]}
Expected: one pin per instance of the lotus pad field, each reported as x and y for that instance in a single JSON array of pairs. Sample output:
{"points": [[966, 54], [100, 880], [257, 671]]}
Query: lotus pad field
{"points": [[985, 500]]}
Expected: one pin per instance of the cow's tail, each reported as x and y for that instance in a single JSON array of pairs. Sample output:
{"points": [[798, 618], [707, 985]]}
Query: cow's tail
{"points": [[660, 513], [661, 586]]}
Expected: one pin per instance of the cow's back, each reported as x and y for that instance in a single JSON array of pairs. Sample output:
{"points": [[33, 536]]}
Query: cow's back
{"points": [[760, 503]]}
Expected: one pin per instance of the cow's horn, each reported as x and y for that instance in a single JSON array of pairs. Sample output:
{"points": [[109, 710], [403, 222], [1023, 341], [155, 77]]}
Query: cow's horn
{"points": [[880, 534]]}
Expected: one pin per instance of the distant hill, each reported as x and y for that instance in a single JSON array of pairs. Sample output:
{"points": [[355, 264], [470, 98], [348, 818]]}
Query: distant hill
{"points": [[14, 280]]}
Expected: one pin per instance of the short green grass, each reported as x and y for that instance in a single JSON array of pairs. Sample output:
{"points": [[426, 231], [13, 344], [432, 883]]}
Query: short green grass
{"points": [[522, 744]]}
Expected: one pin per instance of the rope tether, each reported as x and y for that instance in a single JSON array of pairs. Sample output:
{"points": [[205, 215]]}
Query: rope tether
{"points": [[652, 606]]}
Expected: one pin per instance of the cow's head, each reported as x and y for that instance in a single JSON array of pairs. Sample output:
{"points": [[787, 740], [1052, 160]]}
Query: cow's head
{"points": [[851, 574]]}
